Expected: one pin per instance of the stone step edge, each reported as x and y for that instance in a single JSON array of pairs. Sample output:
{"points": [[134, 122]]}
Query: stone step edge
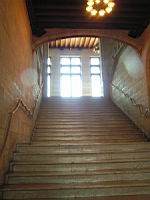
{"points": [[74, 173], [78, 163], [125, 197], [108, 184], [82, 153], [99, 144]]}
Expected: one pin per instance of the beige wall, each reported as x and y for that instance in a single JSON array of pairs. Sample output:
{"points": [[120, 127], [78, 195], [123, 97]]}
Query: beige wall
{"points": [[18, 74], [85, 67]]}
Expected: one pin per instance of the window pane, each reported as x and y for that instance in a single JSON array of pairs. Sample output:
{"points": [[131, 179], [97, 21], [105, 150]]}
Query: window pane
{"points": [[75, 61], [95, 70], [96, 86], [48, 70], [65, 61], [76, 86], [48, 85], [65, 70], [95, 61], [48, 61], [65, 86], [75, 70]]}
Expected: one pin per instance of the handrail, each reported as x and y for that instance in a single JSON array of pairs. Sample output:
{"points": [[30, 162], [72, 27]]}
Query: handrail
{"points": [[144, 111], [24, 107]]}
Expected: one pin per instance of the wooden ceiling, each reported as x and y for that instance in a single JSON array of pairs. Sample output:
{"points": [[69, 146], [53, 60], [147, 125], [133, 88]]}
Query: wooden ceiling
{"points": [[131, 15], [75, 42]]}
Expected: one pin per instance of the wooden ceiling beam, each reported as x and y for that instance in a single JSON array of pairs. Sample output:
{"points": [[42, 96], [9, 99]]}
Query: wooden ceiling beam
{"points": [[88, 25], [108, 20], [75, 2], [62, 7], [80, 14]]}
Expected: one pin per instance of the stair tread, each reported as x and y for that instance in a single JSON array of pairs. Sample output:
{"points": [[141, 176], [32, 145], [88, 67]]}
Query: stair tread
{"points": [[75, 173], [99, 144], [131, 160], [79, 186], [126, 197]]}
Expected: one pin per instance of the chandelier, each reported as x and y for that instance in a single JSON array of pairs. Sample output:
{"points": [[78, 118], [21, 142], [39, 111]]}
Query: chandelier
{"points": [[100, 7]]}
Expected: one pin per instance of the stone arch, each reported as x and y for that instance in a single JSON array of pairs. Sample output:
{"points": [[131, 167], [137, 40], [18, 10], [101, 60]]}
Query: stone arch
{"points": [[54, 34]]}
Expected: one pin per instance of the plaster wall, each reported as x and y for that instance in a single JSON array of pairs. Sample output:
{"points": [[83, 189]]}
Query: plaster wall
{"points": [[20, 70]]}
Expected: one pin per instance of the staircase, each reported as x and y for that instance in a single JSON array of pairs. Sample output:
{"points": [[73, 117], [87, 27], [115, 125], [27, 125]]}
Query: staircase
{"points": [[84, 149]]}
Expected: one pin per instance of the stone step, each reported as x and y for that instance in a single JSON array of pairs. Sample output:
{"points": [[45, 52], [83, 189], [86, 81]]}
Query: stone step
{"points": [[88, 133], [86, 138], [84, 121], [96, 112], [78, 112], [87, 115], [74, 128], [81, 158], [75, 172], [85, 131], [82, 125], [136, 164], [85, 127], [126, 197], [103, 148], [39, 191], [81, 117], [80, 122], [77, 109], [86, 142], [40, 177]]}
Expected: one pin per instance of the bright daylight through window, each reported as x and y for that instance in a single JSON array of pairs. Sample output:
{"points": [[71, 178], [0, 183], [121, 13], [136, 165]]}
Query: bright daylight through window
{"points": [[96, 77], [70, 76], [48, 76]]}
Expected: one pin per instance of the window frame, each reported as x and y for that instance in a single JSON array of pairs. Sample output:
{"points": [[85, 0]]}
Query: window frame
{"points": [[98, 75]]}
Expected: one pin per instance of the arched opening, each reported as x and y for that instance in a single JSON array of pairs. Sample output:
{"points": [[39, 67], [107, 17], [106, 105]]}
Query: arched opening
{"points": [[110, 51], [71, 48], [55, 34]]}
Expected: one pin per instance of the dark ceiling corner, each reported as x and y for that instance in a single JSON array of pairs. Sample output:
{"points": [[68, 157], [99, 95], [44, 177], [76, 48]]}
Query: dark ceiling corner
{"points": [[138, 32], [36, 30]]}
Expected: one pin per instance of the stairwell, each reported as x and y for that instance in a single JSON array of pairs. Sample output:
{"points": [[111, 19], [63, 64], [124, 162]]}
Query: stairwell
{"points": [[82, 148]]}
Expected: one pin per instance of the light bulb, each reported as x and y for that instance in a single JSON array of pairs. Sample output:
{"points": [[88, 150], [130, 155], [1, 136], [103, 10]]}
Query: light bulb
{"points": [[108, 9], [102, 12], [93, 12], [89, 8], [111, 4], [106, 1], [90, 3], [97, 1]]}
